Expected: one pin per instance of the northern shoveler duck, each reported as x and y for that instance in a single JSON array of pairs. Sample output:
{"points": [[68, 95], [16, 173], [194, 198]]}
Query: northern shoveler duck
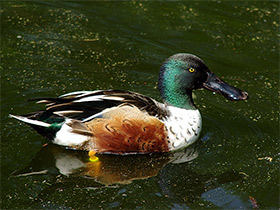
{"points": [[125, 122]]}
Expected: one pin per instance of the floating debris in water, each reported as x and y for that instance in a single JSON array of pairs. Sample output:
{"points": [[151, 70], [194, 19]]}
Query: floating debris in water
{"points": [[253, 202], [266, 158]]}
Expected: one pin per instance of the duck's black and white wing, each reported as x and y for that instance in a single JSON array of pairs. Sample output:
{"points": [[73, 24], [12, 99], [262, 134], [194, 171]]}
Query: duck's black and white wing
{"points": [[86, 105]]}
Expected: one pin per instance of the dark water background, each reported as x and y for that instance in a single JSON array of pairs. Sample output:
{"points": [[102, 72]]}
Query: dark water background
{"points": [[49, 48]]}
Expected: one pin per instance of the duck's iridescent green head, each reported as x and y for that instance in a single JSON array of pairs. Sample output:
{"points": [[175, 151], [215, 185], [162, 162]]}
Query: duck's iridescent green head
{"points": [[182, 73]]}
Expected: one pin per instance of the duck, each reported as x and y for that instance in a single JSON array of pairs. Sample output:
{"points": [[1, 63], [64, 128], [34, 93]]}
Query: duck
{"points": [[124, 122]]}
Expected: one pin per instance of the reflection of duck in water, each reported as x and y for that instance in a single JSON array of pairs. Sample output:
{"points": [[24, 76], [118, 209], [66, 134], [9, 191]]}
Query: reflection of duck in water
{"points": [[124, 122], [119, 169], [80, 173], [105, 169]]}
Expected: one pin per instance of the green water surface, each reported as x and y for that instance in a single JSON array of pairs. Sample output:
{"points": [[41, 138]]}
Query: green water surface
{"points": [[49, 48]]}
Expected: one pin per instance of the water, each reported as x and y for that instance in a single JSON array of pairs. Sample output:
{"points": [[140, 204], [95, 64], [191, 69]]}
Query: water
{"points": [[50, 48]]}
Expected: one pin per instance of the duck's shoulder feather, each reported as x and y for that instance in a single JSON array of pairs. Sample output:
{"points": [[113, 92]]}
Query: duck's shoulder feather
{"points": [[87, 105]]}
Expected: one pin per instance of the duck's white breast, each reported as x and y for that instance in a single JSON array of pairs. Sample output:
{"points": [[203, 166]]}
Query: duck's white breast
{"points": [[183, 127]]}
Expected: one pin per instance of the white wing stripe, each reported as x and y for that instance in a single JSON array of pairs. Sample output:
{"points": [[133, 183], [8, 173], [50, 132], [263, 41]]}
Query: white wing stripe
{"points": [[83, 93], [95, 115], [99, 98], [33, 122], [115, 98], [90, 98]]}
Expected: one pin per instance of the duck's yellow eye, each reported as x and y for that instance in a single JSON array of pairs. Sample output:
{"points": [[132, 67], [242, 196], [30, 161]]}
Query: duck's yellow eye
{"points": [[191, 69]]}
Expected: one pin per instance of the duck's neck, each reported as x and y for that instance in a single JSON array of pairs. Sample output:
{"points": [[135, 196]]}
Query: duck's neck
{"points": [[172, 92], [178, 99]]}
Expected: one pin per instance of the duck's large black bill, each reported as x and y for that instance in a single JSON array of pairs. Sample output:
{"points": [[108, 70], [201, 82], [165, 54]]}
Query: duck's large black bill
{"points": [[215, 84]]}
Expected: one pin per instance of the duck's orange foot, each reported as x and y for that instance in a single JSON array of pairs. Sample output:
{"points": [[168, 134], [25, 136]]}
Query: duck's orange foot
{"points": [[92, 157]]}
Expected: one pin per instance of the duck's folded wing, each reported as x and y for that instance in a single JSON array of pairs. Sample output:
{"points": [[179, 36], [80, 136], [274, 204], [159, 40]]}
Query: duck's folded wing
{"points": [[86, 105]]}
